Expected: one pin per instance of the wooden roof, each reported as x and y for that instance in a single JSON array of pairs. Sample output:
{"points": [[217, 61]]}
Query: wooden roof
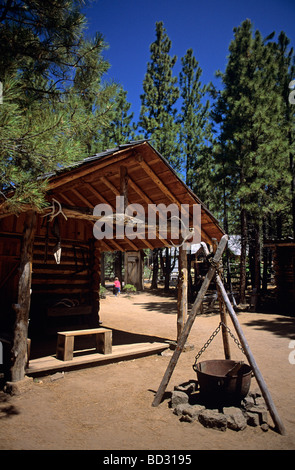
{"points": [[151, 180]]}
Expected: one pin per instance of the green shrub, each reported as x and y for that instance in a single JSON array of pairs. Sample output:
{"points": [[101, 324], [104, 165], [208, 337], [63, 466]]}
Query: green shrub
{"points": [[102, 292], [129, 288]]}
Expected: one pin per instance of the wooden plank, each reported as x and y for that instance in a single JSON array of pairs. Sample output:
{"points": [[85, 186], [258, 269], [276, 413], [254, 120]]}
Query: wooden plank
{"points": [[159, 183], [187, 328], [65, 342], [66, 289], [9, 274], [110, 185], [119, 352], [66, 269], [69, 311], [124, 192], [148, 201], [65, 347], [61, 281], [117, 246], [80, 196], [104, 341], [89, 331], [86, 170], [98, 195]]}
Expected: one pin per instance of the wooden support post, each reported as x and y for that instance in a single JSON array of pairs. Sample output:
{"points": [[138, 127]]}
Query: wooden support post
{"points": [[95, 283], [266, 395], [104, 342], [182, 291], [124, 185], [22, 308], [187, 327], [222, 308], [65, 347]]}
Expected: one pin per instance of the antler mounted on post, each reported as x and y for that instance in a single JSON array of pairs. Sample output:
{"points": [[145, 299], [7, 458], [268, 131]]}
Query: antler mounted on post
{"points": [[54, 213]]}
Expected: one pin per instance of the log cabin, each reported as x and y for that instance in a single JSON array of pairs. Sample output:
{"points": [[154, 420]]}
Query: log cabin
{"points": [[50, 259], [284, 272]]}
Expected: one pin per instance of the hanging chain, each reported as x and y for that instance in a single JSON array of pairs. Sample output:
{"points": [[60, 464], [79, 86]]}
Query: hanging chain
{"points": [[219, 271], [209, 341]]}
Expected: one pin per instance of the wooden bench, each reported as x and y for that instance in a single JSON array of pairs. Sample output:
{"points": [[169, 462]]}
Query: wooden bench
{"points": [[65, 342]]}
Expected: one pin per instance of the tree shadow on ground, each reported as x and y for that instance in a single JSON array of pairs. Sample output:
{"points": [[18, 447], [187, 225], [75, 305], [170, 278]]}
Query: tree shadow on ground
{"points": [[6, 409], [167, 308], [170, 307], [125, 337], [279, 326]]}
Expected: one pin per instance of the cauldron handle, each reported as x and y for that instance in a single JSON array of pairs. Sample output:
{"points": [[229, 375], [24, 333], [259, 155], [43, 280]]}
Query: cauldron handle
{"points": [[235, 369]]}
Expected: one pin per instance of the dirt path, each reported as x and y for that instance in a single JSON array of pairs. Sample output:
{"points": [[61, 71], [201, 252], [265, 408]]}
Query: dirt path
{"points": [[109, 407]]}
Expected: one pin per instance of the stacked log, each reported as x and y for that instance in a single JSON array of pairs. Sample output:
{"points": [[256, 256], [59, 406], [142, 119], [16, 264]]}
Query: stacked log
{"points": [[284, 272]]}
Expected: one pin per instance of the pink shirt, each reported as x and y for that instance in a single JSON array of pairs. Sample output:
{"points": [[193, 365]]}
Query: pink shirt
{"points": [[117, 284]]}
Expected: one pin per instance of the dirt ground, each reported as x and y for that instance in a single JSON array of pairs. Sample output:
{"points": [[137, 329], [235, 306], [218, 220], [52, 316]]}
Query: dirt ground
{"points": [[109, 407]]}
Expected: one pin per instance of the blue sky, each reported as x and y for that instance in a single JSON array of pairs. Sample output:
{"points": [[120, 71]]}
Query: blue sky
{"points": [[206, 26]]}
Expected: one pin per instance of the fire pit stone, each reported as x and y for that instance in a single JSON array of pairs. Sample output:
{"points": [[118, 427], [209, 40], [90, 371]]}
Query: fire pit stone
{"points": [[188, 404]]}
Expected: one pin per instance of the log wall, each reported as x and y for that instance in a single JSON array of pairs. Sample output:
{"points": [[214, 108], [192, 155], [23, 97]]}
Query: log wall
{"points": [[75, 281], [284, 269]]}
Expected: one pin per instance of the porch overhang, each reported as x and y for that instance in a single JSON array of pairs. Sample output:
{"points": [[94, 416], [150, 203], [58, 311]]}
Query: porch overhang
{"points": [[140, 174]]}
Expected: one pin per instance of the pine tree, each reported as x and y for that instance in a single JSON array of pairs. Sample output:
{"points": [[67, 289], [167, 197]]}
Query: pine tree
{"points": [[195, 131], [120, 129], [30, 145], [250, 113], [92, 100], [41, 41], [286, 73], [52, 94], [158, 113]]}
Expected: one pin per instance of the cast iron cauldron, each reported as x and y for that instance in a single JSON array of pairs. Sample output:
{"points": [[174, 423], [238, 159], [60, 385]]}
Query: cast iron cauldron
{"points": [[217, 382]]}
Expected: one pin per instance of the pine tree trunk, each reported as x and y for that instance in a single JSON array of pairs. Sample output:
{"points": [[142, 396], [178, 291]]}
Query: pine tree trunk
{"points": [[251, 255], [166, 268], [228, 271], [265, 257], [243, 278], [182, 291], [154, 284], [292, 168], [95, 283], [22, 308], [279, 223], [254, 255], [257, 257], [118, 265]]}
